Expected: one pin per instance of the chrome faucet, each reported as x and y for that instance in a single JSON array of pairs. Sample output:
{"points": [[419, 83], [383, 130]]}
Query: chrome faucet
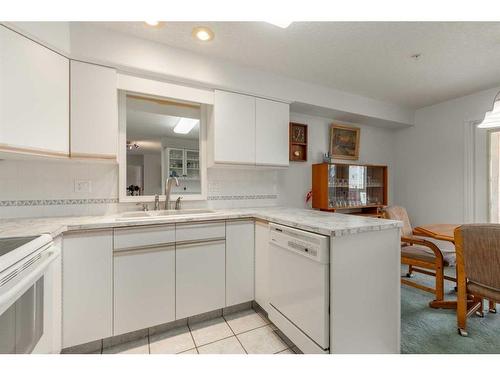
{"points": [[178, 203], [168, 188]]}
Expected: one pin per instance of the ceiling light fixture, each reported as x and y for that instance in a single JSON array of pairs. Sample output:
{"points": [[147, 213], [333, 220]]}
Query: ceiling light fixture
{"points": [[492, 118], [131, 145], [281, 23], [416, 56], [152, 23], [185, 125], [203, 34]]}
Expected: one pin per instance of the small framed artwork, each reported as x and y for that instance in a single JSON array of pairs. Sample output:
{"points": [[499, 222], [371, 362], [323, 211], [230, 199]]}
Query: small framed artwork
{"points": [[344, 142]]}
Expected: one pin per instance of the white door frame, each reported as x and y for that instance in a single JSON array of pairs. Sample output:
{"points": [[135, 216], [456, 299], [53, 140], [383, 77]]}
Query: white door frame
{"points": [[469, 163], [474, 165]]}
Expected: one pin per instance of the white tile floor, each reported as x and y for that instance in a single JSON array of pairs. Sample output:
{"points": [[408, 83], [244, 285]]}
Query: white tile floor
{"points": [[244, 332]]}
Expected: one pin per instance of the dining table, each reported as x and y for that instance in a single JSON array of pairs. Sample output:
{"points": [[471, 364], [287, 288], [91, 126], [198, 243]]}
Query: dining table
{"points": [[443, 232]]}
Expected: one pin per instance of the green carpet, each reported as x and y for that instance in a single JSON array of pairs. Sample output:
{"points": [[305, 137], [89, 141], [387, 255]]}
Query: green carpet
{"points": [[432, 331]]}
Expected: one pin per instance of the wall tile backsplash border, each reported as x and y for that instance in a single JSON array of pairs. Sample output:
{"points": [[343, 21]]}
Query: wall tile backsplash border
{"points": [[55, 202], [241, 197], [65, 202]]}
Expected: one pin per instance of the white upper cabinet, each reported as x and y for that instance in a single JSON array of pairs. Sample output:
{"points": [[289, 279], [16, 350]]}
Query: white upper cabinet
{"points": [[271, 132], [34, 97], [245, 130], [234, 128], [94, 111]]}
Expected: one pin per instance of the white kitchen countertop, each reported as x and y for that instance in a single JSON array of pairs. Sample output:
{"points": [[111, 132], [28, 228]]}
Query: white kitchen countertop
{"points": [[329, 224]]}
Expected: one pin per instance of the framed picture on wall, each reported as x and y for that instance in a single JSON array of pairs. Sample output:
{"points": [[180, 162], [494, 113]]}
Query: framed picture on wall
{"points": [[344, 142]]}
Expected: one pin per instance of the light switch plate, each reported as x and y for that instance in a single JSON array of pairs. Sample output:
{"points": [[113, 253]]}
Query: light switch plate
{"points": [[83, 186]]}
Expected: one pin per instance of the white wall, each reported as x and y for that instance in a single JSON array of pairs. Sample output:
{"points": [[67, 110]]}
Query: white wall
{"points": [[376, 147], [152, 174], [154, 59], [55, 35], [430, 162]]}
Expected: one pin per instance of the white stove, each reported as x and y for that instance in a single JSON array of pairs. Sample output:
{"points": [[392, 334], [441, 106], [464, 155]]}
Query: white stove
{"points": [[28, 275]]}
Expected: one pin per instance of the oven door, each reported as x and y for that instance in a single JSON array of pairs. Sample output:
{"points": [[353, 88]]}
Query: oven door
{"points": [[22, 306]]}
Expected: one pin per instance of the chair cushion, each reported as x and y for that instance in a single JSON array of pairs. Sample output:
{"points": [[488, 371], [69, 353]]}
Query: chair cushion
{"points": [[425, 254], [483, 291]]}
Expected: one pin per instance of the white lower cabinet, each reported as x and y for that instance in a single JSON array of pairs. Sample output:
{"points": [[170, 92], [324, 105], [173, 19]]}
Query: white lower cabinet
{"points": [[261, 264], [200, 277], [240, 257], [144, 288], [87, 287]]}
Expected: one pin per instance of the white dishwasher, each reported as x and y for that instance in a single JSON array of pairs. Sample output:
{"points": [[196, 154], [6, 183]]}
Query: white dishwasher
{"points": [[299, 281]]}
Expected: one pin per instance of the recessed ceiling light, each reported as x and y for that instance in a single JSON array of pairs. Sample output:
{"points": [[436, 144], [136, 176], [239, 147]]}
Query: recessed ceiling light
{"points": [[152, 23], [281, 23], [203, 33], [185, 125]]}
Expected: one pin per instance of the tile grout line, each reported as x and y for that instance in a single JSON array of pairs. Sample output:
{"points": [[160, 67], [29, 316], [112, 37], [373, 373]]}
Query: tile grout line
{"points": [[250, 330], [213, 342], [281, 351], [223, 317], [283, 341], [192, 338]]}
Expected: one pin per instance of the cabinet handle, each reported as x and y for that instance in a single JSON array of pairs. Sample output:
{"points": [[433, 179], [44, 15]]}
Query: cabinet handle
{"points": [[144, 249], [196, 242]]}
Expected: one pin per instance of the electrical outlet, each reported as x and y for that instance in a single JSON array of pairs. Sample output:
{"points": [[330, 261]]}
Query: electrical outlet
{"points": [[83, 186]]}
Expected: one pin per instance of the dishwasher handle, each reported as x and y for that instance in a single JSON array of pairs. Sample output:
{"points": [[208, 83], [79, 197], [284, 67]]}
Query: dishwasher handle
{"points": [[311, 253]]}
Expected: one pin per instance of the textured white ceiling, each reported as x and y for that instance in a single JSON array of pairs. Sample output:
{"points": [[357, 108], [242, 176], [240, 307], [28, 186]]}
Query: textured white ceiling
{"points": [[366, 58]]}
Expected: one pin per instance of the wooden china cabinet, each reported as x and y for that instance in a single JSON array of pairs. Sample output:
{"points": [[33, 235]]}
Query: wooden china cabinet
{"points": [[349, 188]]}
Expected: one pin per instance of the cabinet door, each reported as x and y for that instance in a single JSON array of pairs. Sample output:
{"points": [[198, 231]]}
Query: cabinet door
{"points": [[234, 128], [34, 97], [200, 277], [87, 287], [240, 251], [144, 288], [94, 111], [261, 264], [175, 162], [271, 132]]}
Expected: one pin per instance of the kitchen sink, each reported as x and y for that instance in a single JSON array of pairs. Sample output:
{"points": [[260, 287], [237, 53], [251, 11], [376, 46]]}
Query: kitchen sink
{"points": [[148, 215]]}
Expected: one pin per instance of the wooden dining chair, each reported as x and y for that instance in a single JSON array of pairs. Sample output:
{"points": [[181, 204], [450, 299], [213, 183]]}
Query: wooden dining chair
{"points": [[421, 256], [478, 270]]}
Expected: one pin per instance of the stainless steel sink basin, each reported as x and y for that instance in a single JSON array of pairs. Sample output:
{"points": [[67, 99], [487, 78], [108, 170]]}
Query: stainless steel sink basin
{"points": [[149, 215]]}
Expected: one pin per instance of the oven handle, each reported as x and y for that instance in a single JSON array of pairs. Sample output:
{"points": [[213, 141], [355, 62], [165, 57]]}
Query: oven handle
{"points": [[10, 296]]}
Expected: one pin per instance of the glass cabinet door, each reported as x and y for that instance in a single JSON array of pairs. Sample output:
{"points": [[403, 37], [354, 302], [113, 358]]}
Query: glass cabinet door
{"points": [[347, 186], [375, 182], [184, 163], [193, 164], [353, 186], [175, 162]]}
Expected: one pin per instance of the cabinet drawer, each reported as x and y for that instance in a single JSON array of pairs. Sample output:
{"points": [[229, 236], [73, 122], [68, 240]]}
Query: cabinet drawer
{"points": [[144, 236], [200, 231]]}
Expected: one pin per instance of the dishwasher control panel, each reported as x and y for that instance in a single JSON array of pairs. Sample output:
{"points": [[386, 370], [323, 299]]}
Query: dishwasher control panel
{"points": [[313, 246]]}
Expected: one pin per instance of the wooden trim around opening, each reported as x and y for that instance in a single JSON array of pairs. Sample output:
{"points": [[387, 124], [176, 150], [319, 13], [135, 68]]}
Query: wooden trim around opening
{"points": [[81, 155], [32, 151], [164, 101]]}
